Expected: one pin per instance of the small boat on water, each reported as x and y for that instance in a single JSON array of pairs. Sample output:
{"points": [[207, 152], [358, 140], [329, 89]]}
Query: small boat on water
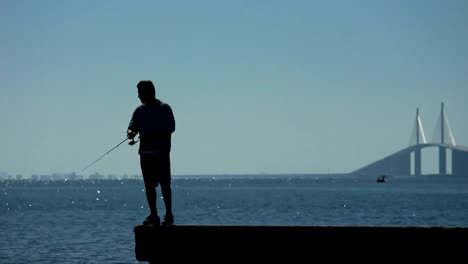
{"points": [[382, 178]]}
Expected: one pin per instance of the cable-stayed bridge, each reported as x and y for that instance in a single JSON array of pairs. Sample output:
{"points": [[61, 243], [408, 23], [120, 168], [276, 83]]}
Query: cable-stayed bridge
{"points": [[408, 161]]}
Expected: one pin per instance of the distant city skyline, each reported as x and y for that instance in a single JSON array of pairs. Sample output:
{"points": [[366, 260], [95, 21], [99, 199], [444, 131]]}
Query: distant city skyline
{"points": [[256, 87]]}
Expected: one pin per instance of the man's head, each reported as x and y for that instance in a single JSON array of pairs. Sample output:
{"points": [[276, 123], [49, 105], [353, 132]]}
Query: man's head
{"points": [[146, 91]]}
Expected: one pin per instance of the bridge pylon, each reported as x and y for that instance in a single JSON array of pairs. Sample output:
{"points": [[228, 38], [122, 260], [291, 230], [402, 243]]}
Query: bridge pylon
{"points": [[446, 138], [418, 137], [442, 132]]}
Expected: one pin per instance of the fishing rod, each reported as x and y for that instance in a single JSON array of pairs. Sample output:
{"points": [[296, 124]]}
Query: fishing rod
{"points": [[131, 143]]}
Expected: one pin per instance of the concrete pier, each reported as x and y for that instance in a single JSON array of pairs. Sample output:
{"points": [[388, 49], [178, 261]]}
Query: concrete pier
{"points": [[251, 243]]}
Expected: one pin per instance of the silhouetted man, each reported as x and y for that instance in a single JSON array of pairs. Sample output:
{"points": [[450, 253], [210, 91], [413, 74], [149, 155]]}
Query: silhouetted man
{"points": [[154, 121]]}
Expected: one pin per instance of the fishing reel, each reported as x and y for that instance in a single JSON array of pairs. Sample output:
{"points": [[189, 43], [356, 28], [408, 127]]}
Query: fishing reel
{"points": [[131, 135], [132, 142]]}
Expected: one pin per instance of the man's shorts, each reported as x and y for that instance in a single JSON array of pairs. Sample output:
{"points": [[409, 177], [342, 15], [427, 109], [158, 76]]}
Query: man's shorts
{"points": [[156, 169]]}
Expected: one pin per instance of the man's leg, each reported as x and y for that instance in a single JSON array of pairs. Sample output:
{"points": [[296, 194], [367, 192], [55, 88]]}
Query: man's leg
{"points": [[167, 196], [165, 182], [151, 197], [148, 171]]}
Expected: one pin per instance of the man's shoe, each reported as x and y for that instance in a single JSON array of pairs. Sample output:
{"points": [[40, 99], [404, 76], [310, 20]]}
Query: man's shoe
{"points": [[151, 220], [168, 220]]}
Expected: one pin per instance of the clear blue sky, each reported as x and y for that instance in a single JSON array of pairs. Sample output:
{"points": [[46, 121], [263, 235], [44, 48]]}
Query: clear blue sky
{"points": [[255, 86]]}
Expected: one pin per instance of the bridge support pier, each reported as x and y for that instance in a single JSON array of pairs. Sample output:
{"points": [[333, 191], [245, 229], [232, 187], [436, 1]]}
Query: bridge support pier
{"points": [[442, 161], [459, 163], [417, 162]]}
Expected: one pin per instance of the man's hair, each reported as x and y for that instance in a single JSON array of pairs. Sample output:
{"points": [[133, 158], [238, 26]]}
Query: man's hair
{"points": [[146, 87]]}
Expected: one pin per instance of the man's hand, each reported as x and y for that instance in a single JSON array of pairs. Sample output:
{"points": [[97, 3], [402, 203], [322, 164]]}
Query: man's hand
{"points": [[131, 134]]}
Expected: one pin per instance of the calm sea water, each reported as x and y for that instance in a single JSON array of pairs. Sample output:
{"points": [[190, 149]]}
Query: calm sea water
{"points": [[86, 221]]}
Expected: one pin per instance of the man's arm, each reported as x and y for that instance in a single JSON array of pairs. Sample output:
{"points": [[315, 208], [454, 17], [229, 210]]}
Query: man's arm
{"points": [[132, 130], [169, 120]]}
